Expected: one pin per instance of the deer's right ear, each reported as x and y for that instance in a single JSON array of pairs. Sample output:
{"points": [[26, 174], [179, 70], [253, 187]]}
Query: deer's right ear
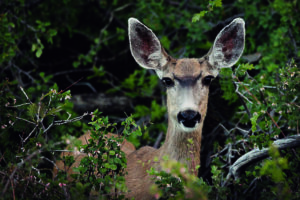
{"points": [[145, 46]]}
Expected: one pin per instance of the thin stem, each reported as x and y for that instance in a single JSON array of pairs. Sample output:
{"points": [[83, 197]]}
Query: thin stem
{"points": [[25, 94], [26, 120], [30, 133]]}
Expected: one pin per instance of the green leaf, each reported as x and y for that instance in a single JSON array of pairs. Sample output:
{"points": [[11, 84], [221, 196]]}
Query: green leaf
{"points": [[32, 110], [253, 121], [39, 52], [33, 47], [165, 42], [218, 3], [12, 25], [76, 64], [113, 167], [111, 152], [107, 165]]}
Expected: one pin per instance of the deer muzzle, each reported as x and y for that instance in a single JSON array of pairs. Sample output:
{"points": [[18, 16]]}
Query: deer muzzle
{"points": [[189, 118]]}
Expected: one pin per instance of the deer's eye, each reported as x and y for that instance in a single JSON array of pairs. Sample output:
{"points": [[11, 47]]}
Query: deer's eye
{"points": [[167, 82], [207, 80]]}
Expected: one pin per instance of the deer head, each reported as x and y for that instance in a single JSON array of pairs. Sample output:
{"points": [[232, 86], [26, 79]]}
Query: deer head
{"points": [[187, 80]]}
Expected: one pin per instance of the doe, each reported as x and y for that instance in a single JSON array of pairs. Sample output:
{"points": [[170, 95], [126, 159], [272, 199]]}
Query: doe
{"points": [[187, 81]]}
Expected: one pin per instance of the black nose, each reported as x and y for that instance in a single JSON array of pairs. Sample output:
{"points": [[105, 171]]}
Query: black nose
{"points": [[189, 118]]}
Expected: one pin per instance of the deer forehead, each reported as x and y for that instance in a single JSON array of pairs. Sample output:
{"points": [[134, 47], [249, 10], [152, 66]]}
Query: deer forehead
{"points": [[188, 67]]}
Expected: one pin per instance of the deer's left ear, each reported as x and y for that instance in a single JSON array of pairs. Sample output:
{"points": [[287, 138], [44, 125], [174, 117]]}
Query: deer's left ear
{"points": [[228, 46]]}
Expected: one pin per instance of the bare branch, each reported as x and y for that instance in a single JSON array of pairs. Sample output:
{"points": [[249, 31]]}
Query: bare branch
{"points": [[245, 105], [23, 104], [259, 154], [25, 95], [51, 161], [61, 122], [30, 134], [240, 94], [45, 131], [25, 120], [158, 140], [17, 168]]}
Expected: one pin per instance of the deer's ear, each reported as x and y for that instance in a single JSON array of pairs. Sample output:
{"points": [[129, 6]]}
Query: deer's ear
{"points": [[228, 46], [145, 46]]}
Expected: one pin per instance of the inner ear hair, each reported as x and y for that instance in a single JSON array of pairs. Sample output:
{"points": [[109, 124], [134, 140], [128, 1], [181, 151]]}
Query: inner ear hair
{"points": [[228, 45]]}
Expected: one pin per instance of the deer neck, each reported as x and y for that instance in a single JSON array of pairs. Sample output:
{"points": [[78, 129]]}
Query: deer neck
{"points": [[177, 147]]}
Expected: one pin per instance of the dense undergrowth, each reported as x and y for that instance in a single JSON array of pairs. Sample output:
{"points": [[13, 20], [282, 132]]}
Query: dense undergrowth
{"points": [[50, 48]]}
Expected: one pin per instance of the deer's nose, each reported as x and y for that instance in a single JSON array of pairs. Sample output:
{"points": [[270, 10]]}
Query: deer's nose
{"points": [[189, 118]]}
